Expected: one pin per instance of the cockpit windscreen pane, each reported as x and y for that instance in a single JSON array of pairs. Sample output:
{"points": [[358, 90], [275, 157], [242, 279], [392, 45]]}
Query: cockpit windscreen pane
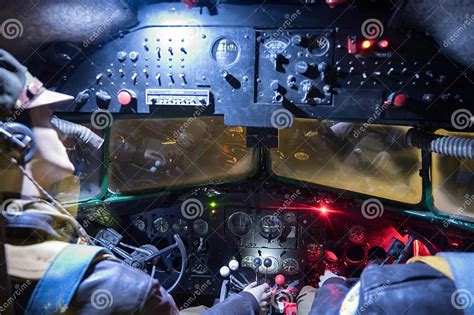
{"points": [[453, 182], [369, 159], [172, 152]]}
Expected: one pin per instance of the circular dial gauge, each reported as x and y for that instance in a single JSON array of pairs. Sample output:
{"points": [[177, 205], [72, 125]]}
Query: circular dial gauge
{"points": [[161, 225], [357, 234], [273, 269], [247, 261], [140, 225], [200, 226], [225, 51], [181, 227], [291, 266], [314, 252], [239, 223], [270, 227], [289, 217]]}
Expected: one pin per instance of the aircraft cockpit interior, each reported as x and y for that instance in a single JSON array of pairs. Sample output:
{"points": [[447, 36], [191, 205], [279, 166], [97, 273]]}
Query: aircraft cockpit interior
{"points": [[237, 157]]}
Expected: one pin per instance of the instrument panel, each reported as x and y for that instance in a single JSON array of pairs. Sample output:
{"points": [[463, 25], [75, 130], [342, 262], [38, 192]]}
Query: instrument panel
{"points": [[247, 72], [297, 243]]}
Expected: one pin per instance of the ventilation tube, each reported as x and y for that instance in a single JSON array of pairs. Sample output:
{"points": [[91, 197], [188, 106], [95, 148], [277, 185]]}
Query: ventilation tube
{"points": [[82, 133], [462, 148]]}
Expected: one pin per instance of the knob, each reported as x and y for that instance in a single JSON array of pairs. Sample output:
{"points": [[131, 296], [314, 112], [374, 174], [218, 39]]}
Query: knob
{"points": [[224, 271], [170, 75], [102, 98], [184, 50], [297, 40], [170, 49], [257, 262], [121, 56], [301, 67], [133, 55], [427, 98], [158, 52], [233, 265], [291, 81], [323, 67], [280, 280], [267, 262], [274, 85]]}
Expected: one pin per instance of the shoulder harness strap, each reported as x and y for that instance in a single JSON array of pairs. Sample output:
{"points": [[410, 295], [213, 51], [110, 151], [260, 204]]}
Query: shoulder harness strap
{"points": [[55, 290]]}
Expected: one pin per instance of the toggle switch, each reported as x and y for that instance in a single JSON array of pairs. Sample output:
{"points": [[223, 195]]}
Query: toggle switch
{"points": [[183, 78]]}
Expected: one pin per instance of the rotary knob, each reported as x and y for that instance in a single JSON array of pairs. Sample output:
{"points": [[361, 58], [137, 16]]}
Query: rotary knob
{"points": [[301, 67]]}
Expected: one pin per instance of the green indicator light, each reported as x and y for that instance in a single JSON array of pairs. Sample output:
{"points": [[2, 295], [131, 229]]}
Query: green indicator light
{"points": [[213, 204]]}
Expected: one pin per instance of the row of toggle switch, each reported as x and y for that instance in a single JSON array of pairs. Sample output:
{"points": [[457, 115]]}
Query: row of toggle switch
{"points": [[134, 76]]}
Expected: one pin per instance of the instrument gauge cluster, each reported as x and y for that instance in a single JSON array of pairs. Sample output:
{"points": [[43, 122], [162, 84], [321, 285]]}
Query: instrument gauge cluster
{"points": [[239, 223], [290, 266], [270, 227], [161, 225]]}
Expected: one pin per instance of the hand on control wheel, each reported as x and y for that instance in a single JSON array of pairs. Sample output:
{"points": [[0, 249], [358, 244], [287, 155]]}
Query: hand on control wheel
{"points": [[261, 293]]}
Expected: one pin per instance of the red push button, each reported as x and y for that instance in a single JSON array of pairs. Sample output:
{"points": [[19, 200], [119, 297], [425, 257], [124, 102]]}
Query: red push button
{"points": [[333, 3], [280, 280], [400, 100], [124, 97]]}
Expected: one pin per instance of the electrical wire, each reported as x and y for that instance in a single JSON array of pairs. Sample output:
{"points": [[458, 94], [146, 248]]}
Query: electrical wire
{"points": [[81, 232]]}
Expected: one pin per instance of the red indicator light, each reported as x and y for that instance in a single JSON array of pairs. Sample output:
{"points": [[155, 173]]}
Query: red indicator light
{"points": [[324, 209], [383, 43], [366, 44]]}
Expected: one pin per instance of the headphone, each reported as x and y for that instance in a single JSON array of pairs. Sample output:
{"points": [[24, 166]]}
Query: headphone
{"points": [[16, 141]]}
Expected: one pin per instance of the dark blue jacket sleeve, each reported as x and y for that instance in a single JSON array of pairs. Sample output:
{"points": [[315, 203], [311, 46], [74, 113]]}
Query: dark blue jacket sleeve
{"points": [[242, 303], [329, 297]]}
